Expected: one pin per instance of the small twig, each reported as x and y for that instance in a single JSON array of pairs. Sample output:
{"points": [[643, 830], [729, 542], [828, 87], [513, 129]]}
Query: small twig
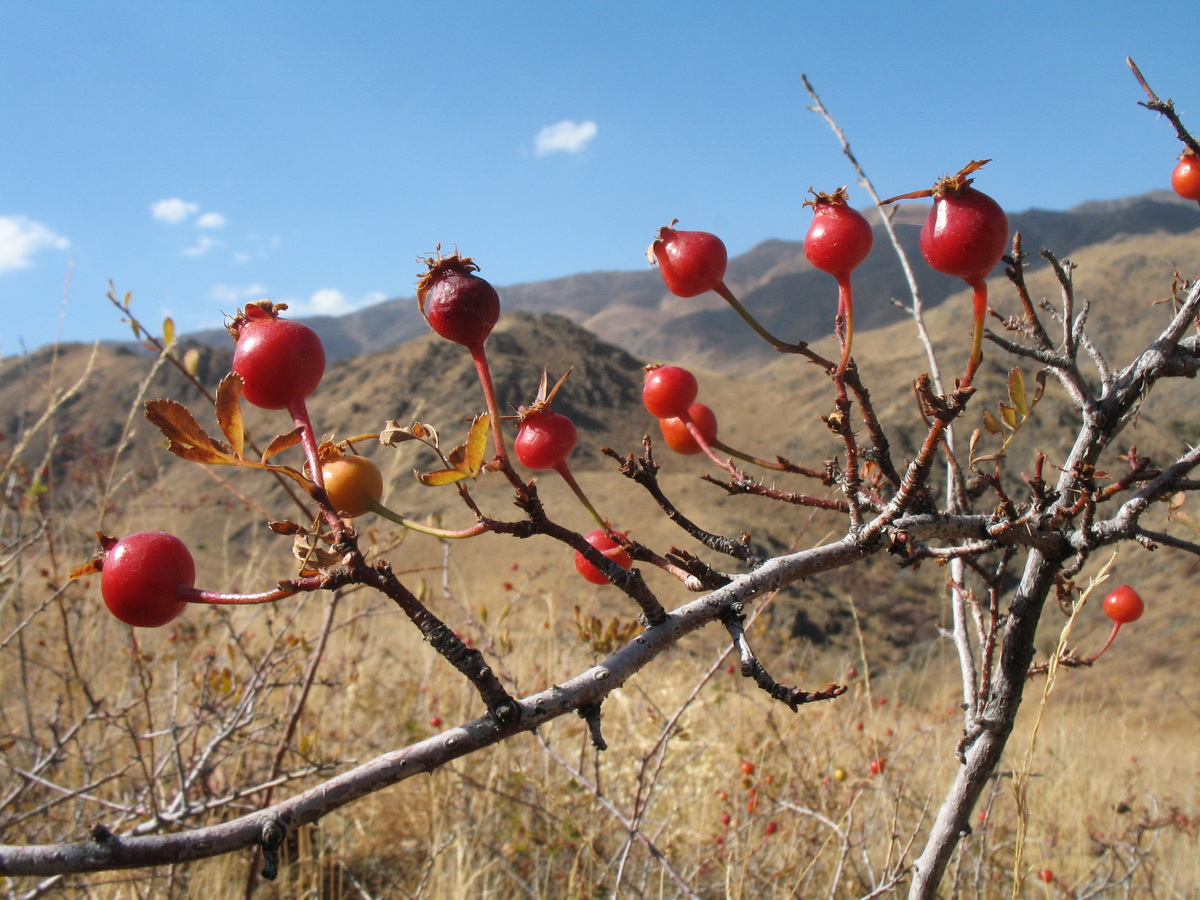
{"points": [[793, 697], [644, 471], [1165, 107]]}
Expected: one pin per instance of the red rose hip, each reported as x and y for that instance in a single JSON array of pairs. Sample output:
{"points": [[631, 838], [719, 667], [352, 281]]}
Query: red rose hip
{"points": [[668, 391], [1185, 179], [1124, 605], [280, 361], [140, 578], [692, 262], [610, 548], [840, 237], [458, 304], [677, 436], [545, 439]]}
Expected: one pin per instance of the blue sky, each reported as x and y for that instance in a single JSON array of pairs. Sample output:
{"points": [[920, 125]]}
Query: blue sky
{"points": [[205, 154]]}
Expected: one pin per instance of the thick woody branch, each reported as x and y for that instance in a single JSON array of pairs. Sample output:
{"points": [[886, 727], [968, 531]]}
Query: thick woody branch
{"points": [[584, 690]]}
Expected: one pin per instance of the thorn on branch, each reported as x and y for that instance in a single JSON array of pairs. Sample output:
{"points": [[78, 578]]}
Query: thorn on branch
{"points": [[272, 840], [591, 714]]}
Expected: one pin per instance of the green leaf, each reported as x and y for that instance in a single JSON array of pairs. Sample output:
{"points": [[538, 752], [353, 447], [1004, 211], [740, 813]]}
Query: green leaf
{"points": [[1009, 415], [991, 423]]}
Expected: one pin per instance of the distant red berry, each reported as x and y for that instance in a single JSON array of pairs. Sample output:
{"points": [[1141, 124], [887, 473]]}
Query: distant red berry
{"points": [[692, 262], [747, 767], [607, 546], [1046, 875], [878, 765]]}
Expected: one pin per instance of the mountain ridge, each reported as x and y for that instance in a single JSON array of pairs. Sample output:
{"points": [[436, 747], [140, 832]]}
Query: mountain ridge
{"points": [[633, 310]]}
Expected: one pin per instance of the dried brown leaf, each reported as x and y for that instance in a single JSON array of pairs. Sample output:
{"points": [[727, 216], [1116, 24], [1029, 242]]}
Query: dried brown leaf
{"points": [[280, 443], [229, 412]]}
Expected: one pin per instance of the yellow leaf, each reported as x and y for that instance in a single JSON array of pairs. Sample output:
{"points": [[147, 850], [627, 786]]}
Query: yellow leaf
{"points": [[440, 477], [1009, 415], [477, 443], [1016, 391], [168, 331], [466, 458], [991, 423], [191, 361]]}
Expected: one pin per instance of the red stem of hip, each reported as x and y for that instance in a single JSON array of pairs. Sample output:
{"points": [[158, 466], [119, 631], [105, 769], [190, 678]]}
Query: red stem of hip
{"points": [[979, 301], [844, 328]]}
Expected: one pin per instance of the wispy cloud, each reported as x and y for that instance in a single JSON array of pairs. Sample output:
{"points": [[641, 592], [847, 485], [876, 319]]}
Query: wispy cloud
{"points": [[21, 238], [211, 220], [173, 210], [260, 246], [202, 246], [564, 137]]}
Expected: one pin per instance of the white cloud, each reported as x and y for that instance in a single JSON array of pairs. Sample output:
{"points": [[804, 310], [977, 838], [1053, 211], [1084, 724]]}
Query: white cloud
{"points": [[211, 220], [329, 302], [202, 246], [173, 210], [235, 295], [332, 302], [565, 137], [21, 238]]}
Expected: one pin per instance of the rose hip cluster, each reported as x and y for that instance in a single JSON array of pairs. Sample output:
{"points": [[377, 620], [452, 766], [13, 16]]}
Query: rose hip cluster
{"points": [[669, 394], [964, 235], [148, 578]]}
